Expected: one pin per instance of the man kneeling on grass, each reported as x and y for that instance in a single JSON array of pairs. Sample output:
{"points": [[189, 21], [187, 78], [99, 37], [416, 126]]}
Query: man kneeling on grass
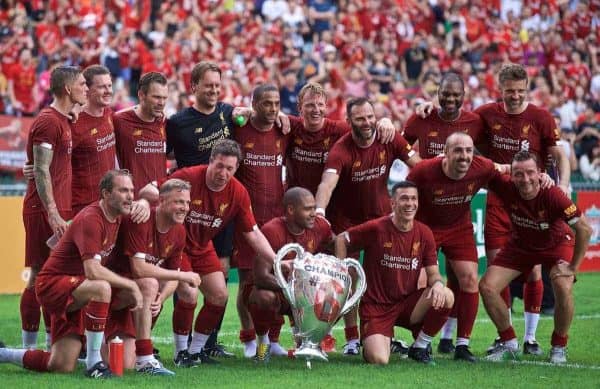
{"points": [[74, 287], [150, 254], [396, 248], [540, 220]]}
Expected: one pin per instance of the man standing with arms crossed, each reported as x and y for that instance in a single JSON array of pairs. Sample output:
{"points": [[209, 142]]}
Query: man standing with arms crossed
{"points": [[47, 203]]}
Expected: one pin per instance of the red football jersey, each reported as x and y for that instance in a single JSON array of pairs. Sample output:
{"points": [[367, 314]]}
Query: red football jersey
{"points": [[432, 131], [444, 202], [538, 224], [534, 130], [312, 240], [211, 211], [361, 193], [93, 155], [261, 169], [51, 129], [141, 147], [393, 258], [308, 152], [90, 236], [144, 242]]}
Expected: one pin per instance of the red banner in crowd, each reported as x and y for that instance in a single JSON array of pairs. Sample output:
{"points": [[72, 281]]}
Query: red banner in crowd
{"points": [[589, 203], [13, 139]]}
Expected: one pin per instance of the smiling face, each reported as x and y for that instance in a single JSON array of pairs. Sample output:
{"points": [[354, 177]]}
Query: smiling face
{"points": [[176, 205], [405, 202], [513, 94], [450, 96], [362, 120], [207, 90], [312, 109], [458, 154], [100, 91], [303, 212], [120, 198], [526, 177]]}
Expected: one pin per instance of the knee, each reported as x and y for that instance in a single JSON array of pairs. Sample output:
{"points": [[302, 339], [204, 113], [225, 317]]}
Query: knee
{"points": [[264, 298], [218, 296], [61, 365], [148, 286], [375, 358], [563, 287], [468, 281], [102, 290], [485, 287], [449, 302], [187, 293]]}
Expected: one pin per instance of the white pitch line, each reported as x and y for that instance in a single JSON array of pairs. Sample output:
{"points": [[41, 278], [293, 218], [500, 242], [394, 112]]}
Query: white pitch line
{"points": [[164, 339]]}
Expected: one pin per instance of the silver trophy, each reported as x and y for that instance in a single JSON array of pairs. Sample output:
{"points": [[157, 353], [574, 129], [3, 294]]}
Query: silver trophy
{"points": [[319, 292]]}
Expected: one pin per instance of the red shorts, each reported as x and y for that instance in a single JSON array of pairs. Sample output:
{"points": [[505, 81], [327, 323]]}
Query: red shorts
{"points": [[243, 254], [37, 232], [382, 318], [457, 242], [55, 294], [516, 258], [203, 263], [497, 227]]}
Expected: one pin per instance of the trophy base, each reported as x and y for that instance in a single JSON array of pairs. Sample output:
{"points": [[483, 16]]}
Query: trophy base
{"points": [[311, 353]]}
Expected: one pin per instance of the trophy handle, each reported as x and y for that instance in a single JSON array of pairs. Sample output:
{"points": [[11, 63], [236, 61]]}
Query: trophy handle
{"points": [[361, 285], [282, 253]]}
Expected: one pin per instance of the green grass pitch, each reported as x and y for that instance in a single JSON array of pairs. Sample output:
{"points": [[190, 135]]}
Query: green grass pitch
{"points": [[582, 371]]}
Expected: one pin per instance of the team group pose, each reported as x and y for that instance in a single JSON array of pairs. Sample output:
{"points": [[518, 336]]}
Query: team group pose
{"points": [[104, 261]]}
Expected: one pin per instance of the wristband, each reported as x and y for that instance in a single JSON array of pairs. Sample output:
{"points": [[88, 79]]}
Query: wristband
{"points": [[320, 211], [436, 281]]}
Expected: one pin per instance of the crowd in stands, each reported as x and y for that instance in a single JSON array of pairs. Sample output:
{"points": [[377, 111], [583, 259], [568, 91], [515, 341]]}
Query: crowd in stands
{"points": [[392, 51]]}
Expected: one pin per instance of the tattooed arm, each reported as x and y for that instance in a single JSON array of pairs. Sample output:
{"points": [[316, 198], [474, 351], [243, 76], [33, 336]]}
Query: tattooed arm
{"points": [[42, 158]]}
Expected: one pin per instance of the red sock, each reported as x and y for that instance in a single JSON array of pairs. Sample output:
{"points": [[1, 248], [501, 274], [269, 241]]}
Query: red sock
{"points": [[559, 340], [30, 311], [36, 360], [505, 294], [96, 313], [351, 333], [507, 334], [468, 304], [183, 317], [262, 318], [533, 292], [208, 318], [247, 335], [143, 347], [454, 287], [275, 329], [434, 320]]}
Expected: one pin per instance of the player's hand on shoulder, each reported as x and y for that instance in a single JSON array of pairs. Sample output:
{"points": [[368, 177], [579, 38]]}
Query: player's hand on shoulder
{"points": [[283, 122], [140, 211], [424, 109], [546, 181], [385, 130]]}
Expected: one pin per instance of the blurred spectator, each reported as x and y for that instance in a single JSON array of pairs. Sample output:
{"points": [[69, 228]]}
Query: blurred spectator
{"points": [[589, 163]]}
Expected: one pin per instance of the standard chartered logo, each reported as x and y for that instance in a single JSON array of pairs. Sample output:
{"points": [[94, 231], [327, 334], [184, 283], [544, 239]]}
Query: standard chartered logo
{"points": [[217, 223]]}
